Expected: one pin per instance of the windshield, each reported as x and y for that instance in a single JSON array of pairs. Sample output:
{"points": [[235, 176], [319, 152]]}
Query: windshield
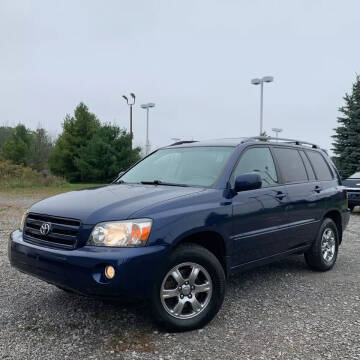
{"points": [[355, 176], [198, 166]]}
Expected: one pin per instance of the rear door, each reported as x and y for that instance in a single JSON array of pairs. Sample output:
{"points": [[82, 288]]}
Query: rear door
{"points": [[258, 214], [327, 190], [304, 206]]}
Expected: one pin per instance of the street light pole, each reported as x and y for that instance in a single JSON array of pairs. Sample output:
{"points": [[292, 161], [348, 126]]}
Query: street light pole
{"points": [[277, 131], [147, 107], [131, 103], [260, 82], [261, 107]]}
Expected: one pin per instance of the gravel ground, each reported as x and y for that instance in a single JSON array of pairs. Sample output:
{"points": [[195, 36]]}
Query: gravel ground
{"points": [[281, 311]]}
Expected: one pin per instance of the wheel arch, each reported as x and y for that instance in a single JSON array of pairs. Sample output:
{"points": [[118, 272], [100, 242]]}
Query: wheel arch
{"points": [[210, 240], [335, 216]]}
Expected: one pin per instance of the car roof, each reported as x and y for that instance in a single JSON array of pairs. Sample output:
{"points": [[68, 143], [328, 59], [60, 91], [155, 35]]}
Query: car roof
{"points": [[245, 140]]}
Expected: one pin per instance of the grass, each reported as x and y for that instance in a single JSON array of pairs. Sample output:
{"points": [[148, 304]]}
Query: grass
{"points": [[45, 191]]}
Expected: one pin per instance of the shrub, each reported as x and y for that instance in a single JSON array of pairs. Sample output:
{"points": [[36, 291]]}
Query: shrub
{"points": [[12, 175]]}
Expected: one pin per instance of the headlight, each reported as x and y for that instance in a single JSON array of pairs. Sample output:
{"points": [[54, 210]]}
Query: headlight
{"points": [[127, 233], [23, 220]]}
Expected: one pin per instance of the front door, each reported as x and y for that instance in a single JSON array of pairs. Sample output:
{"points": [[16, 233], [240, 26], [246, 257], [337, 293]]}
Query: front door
{"points": [[259, 216]]}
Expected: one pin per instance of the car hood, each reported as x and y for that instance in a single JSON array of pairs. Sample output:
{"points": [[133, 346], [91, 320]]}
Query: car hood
{"points": [[352, 183], [112, 202]]}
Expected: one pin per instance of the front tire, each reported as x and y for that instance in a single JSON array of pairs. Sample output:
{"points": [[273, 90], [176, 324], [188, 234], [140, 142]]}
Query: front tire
{"points": [[323, 253], [190, 290]]}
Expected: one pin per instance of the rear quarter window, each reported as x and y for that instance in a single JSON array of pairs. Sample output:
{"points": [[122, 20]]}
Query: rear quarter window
{"points": [[322, 169]]}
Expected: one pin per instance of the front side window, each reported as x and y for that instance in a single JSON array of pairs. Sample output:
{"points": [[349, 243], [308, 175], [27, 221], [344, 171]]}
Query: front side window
{"points": [[291, 165], [322, 170], [193, 166], [258, 160]]}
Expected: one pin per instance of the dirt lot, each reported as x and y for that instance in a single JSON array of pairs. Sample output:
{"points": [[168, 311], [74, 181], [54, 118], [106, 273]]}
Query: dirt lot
{"points": [[281, 311]]}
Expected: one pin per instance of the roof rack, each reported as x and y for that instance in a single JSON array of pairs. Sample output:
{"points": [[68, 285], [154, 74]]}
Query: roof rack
{"points": [[183, 142], [284, 140]]}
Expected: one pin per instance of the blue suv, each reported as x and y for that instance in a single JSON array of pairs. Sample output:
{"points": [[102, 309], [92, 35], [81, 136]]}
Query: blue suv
{"points": [[173, 227]]}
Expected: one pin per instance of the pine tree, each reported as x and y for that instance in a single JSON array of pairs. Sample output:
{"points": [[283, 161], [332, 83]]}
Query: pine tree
{"points": [[108, 153], [89, 151], [347, 137], [78, 131], [40, 150]]}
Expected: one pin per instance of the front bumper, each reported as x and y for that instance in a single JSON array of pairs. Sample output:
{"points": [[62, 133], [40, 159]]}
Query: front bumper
{"points": [[82, 270]]}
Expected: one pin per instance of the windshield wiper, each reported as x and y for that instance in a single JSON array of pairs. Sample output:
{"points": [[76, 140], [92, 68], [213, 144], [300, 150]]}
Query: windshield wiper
{"points": [[159, 182]]}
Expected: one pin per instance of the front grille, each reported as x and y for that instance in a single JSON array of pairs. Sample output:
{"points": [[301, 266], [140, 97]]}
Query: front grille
{"points": [[354, 196], [63, 232]]}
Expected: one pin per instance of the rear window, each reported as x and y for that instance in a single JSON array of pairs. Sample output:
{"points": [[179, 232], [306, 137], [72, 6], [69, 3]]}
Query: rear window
{"points": [[322, 169], [291, 166]]}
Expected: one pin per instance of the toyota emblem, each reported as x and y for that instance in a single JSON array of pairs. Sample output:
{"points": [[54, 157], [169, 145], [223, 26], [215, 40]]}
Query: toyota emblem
{"points": [[45, 228]]}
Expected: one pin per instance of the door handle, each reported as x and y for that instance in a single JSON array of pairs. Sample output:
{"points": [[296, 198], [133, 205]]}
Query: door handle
{"points": [[280, 195], [318, 189]]}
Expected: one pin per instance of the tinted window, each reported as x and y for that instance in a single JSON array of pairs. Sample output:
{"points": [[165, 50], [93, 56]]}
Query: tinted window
{"points": [[258, 160], [291, 166], [189, 165], [321, 167], [308, 166]]}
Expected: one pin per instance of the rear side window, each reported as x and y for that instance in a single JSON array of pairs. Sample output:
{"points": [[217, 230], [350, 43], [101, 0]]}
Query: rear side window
{"points": [[322, 169], [291, 166], [308, 166], [258, 160]]}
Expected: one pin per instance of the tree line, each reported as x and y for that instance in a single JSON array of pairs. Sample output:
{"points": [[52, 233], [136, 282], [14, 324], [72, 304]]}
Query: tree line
{"points": [[86, 150]]}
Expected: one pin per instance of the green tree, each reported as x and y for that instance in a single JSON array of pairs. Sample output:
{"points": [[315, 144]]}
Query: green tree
{"points": [[108, 153], [347, 138], [78, 131], [40, 150], [6, 132], [88, 151], [18, 148]]}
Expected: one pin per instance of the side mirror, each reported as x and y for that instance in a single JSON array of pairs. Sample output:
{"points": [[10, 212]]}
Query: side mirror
{"points": [[250, 181]]}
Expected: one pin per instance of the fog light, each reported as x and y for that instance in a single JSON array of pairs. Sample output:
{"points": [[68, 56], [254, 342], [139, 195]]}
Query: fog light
{"points": [[109, 272]]}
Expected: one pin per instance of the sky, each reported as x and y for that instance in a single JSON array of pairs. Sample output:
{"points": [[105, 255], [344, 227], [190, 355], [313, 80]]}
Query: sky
{"points": [[193, 58]]}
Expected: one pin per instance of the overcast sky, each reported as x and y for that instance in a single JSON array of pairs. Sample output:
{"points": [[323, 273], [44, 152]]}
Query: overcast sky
{"points": [[193, 58]]}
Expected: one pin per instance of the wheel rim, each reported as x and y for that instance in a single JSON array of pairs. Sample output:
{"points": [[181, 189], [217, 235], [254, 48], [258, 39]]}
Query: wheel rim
{"points": [[328, 245], [186, 290]]}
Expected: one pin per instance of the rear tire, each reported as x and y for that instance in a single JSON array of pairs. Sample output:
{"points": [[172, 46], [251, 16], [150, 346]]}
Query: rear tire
{"points": [[323, 253], [190, 290]]}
